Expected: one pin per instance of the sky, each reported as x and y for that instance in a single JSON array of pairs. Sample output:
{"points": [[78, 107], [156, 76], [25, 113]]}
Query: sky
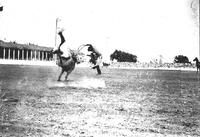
{"points": [[146, 28]]}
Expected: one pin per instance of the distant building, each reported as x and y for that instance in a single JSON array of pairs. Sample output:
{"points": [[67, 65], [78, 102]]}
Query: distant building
{"points": [[15, 51]]}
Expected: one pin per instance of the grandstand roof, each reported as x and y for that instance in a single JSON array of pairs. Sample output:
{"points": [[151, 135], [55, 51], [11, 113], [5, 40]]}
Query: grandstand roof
{"points": [[23, 46]]}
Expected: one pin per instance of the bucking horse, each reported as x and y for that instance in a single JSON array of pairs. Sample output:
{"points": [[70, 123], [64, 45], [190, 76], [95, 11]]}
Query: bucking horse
{"points": [[197, 64], [67, 64]]}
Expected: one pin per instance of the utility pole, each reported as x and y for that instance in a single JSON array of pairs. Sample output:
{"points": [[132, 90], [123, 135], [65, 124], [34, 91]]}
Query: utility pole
{"points": [[55, 57], [56, 31], [57, 20]]}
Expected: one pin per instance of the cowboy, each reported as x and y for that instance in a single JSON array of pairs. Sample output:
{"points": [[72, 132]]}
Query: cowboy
{"points": [[63, 51], [95, 58]]}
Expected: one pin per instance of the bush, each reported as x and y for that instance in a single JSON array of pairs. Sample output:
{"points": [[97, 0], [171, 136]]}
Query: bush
{"points": [[181, 59], [121, 56]]}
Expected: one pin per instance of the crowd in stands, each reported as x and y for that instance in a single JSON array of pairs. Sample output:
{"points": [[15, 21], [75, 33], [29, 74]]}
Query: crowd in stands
{"points": [[150, 65]]}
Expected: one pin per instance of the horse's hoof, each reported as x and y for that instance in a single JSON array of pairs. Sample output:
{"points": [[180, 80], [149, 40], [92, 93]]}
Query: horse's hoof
{"points": [[58, 80]]}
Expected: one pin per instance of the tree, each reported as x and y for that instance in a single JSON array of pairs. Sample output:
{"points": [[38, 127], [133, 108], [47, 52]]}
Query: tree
{"points": [[181, 59], [121, 56]]}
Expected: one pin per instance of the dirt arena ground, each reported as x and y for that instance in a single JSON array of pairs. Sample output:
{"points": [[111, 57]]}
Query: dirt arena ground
{"points": [[119, 103]]}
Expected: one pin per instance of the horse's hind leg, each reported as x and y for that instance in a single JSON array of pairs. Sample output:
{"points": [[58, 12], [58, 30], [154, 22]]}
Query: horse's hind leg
{"points": [[62, 71]]}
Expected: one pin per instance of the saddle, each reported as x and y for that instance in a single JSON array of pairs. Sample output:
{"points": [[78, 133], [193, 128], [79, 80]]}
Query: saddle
{"points": [[63, 61]]}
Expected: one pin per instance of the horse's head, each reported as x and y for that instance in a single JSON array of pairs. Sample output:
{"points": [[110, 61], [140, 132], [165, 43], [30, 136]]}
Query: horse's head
{"points": [[75, 56], [114, 55], [196, 59]]}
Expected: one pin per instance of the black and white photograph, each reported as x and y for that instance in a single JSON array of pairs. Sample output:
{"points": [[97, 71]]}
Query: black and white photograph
{"points": [[99, 68]]}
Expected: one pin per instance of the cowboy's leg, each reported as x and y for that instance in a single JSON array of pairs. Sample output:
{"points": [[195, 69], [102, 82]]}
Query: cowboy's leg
{"points": [[98, 62], [66, 51], [66, 54]]}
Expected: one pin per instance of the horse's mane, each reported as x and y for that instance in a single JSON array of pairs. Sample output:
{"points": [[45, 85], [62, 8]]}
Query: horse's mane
{"points": [[196, 59]]}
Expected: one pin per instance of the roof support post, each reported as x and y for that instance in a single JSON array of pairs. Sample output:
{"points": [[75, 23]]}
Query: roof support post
{"points": [[4, 53], [39, 55], [35, 54], [31, 54], [8, 53], [42, 55], [13, 53], [22, 54], [18, 53], [26, 54]]}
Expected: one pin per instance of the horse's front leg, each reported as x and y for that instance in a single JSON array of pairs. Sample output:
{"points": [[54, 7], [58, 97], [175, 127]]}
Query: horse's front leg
{"points": [[66, 77], [68, 72], [62, 71]]}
